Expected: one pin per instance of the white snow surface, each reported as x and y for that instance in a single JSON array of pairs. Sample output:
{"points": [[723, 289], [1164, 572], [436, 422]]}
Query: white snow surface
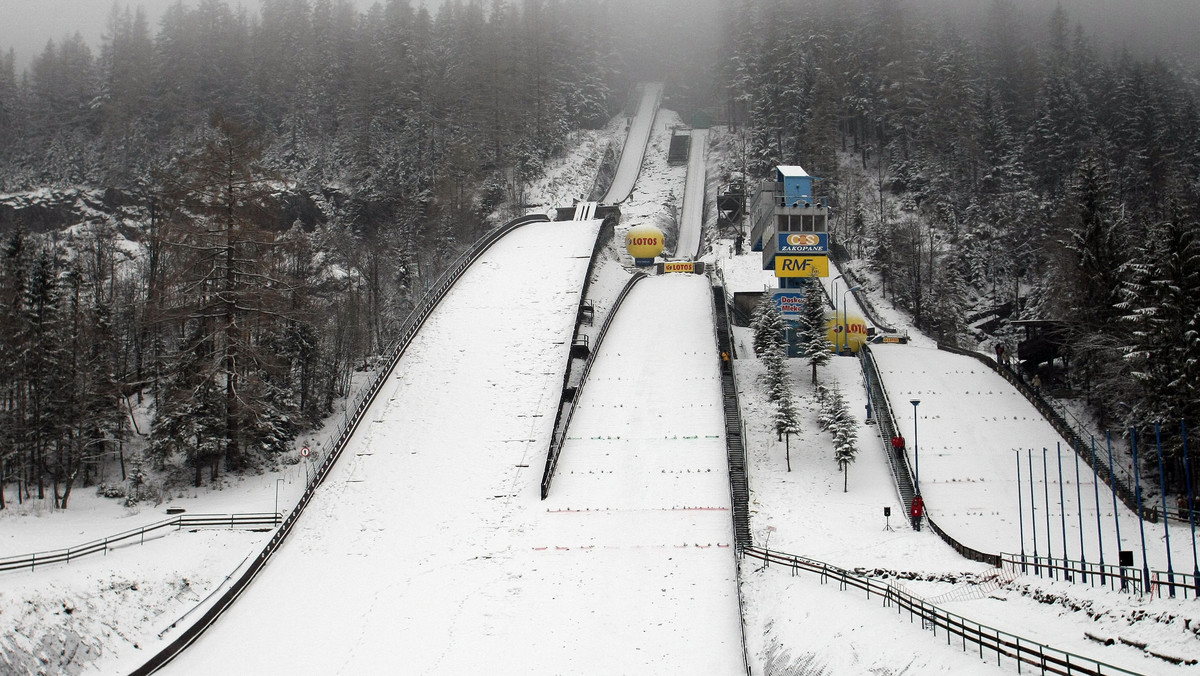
{"points": [[972, 430]]}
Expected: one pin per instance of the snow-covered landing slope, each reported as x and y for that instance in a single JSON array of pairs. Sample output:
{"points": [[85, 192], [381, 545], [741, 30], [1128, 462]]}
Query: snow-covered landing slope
{"points": [[638, 521], [971, 426], [635, 145], [413, 558]]}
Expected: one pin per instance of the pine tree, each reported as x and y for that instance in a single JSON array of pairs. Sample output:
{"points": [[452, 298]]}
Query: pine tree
{"points": [[845, 439], [813, 327], [1089, 278], [44, 371], [226, 290], [14, 271], [1162, 311], [785, 416], [768, 326], [189, 419], [833, 415]]}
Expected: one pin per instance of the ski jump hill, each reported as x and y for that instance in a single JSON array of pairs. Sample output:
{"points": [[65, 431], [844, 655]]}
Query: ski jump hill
{"points": [[428, 547]]}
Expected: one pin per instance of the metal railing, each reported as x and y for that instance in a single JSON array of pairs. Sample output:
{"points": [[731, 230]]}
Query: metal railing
{"points": [[886, 422], [989, 642], [964, 551], [409, 328], [139, 536]]}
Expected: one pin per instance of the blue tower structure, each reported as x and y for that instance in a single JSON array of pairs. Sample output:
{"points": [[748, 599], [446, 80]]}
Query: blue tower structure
{"points": [[789, 225]]}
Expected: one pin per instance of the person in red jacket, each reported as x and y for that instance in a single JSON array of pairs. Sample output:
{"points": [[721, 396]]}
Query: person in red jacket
{"points": [[917, 511]]}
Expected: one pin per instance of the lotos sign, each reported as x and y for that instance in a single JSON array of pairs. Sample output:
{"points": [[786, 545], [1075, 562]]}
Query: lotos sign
{"points": [[801, 266], [644, 242], [690, 267], [802, 243]]}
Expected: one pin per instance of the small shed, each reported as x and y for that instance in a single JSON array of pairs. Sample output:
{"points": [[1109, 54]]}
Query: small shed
{"points": [[797, 185]]}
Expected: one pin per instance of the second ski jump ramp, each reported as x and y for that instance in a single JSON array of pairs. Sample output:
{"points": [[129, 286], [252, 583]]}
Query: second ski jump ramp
{"points": [[691, 224], [973, 430], [632, 154], [407, 559]]}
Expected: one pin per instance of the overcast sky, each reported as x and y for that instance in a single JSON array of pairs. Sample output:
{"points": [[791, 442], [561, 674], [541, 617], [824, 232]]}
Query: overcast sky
{"points": [[26, 25], [1147, 27]]}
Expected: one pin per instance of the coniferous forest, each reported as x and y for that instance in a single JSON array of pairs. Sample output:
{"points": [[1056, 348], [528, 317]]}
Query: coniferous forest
{"points": [[292, 177]]}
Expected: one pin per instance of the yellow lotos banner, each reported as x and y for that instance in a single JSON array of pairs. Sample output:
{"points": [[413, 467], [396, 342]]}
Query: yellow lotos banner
{"points": [[679, 267], [801, 266]]}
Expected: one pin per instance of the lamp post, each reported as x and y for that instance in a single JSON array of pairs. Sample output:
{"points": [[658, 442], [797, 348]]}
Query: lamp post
{"points": [[916, 452], [277, 482], [846, 317], [833, 297]]}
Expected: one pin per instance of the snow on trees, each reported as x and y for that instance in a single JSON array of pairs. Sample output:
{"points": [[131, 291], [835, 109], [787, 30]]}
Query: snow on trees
{"points": [[833, 415], [813, 329]]}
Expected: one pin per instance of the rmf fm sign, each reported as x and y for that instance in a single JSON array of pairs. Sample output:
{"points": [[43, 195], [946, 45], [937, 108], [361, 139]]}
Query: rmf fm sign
{"points": [[801, 266]]}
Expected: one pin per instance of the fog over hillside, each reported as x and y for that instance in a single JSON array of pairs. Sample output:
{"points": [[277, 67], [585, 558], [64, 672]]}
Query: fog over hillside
{"points": [[27, 25], [1150, 28]]}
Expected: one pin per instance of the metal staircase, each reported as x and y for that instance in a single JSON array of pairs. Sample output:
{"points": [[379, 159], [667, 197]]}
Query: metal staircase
{"points": [[739, 485]]}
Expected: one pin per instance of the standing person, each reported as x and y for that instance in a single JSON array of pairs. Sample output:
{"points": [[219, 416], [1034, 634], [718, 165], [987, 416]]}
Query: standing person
{"points": [[1037, 382], [999, 353], [917, 511]]}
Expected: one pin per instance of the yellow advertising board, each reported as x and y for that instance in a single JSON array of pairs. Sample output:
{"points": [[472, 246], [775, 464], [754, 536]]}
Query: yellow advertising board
{"points": [[801, 266], [679, 267]]}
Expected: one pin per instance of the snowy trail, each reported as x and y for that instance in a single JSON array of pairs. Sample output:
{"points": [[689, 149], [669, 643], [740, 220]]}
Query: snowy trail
{"points": [[692, 220], [413, 552], [635, 145], [972, 425]]}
